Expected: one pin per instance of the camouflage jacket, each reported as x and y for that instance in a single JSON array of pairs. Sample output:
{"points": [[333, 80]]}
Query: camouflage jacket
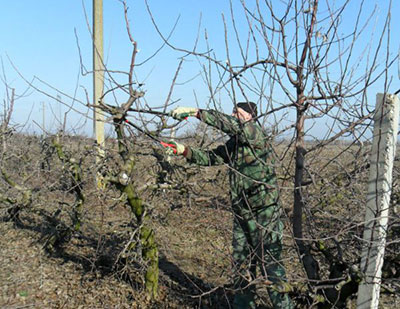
{"points": [[248, 155]]}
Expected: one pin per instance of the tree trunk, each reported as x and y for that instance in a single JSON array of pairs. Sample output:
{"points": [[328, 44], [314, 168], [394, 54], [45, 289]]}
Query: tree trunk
{"points": [[310, 264], [147, 240]]}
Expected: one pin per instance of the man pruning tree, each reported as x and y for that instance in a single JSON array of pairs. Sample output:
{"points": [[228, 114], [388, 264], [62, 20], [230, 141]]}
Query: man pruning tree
{"points": [[257, 228]]}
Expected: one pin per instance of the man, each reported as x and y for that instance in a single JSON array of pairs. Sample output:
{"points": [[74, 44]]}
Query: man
{"points": [[257, 228]]}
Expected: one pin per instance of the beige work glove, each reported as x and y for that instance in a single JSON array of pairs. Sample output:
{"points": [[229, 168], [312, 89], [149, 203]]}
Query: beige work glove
{"points": [[181, 113]]}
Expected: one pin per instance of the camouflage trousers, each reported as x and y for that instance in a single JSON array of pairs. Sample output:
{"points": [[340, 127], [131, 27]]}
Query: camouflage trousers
{"points": [[257, 242]]}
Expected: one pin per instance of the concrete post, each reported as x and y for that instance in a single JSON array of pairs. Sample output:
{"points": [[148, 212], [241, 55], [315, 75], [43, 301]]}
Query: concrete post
{"points": [[98, 72], [378, 199]]}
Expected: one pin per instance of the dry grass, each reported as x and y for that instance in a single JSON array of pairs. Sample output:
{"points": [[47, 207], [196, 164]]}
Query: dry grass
{"points": [[192, 225]]}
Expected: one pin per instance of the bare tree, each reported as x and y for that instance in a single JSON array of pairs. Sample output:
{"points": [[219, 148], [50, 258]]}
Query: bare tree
{"points": [[307, 69], [308, 66]]}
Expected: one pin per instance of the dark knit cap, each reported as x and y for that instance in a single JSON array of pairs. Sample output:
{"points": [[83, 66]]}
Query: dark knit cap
{"points": [[249, 107]]}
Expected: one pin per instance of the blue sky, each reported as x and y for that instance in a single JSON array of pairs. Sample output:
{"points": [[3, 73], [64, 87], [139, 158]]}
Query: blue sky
{"points": [[40, 38]]}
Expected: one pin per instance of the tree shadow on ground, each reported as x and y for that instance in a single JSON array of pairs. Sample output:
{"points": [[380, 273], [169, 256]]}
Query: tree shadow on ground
{"points": [[203, 294], [186, 288]]}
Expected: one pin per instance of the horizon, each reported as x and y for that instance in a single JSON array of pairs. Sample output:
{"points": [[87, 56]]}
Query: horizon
{"points": [[48, 40]]}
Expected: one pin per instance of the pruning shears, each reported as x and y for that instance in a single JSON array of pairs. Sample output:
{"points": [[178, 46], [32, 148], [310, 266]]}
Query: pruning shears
{"points": [[170, 146]]}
